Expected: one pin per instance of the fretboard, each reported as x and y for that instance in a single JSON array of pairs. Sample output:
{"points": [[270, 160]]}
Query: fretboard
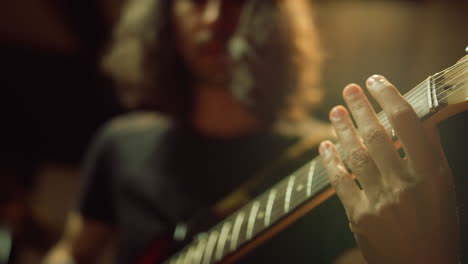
{"points": [[305, 183]]}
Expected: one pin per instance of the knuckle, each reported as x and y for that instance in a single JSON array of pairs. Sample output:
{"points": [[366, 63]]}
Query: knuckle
{"points": [[389, 202], [360, 218], [357, 104], [401, 112], [337, 181], [358, 158], [342, 127], [374, 136]]}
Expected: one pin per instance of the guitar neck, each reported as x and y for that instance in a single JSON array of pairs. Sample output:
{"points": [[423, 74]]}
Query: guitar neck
{"points": [[433, 94]]}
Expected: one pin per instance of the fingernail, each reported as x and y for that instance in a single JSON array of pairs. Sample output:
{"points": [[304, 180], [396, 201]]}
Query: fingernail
{"points": [[337, 113], [376, 81], [351, 91], [325, 148]]}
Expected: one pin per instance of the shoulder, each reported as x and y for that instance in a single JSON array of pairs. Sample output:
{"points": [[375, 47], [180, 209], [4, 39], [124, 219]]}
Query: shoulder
{"points": [[129, 129], [134, 124]]}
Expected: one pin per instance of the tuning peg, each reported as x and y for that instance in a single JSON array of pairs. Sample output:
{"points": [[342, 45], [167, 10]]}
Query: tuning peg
{"points": [[466, 49]]}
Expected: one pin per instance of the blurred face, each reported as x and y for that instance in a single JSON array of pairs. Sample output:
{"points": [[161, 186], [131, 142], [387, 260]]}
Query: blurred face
{"points": [[203, 29]]}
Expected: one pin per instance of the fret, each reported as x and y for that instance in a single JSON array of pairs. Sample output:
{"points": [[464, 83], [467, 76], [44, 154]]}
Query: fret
{"points": [[180, 259], [287, 197], [198, 254], [174, 260], [428, 91], [252, 217], [213, 237], [310, 177], [416, 99], [269, 206], [223, 237], [189, 256], [236, 229], [435, 102], [420, 98]]}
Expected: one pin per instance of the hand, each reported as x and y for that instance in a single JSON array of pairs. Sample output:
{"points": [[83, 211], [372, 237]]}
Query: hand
{"points": [[406, 210]]}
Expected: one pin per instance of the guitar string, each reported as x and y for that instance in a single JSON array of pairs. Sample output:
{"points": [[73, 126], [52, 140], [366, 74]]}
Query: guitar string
{"points": [[443, 74]]}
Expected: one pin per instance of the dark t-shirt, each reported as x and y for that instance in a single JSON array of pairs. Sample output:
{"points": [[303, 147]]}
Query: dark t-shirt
{"points": [[144, 174]]}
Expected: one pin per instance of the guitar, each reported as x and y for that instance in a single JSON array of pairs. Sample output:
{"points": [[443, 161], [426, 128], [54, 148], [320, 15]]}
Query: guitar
{"points": [[437, 98]]}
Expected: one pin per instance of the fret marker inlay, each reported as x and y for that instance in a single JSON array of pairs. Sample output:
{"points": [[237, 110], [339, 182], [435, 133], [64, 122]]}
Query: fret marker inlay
{"points": [[260, 215], [299, 187]]}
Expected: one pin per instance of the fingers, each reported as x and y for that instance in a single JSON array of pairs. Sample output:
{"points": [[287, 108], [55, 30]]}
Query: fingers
{"points": [[357, 156], [375, 138], [345, 187], [404, 121]]}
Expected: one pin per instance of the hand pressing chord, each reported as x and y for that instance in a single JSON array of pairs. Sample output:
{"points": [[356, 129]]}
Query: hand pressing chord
{"points": [[406, 210]]}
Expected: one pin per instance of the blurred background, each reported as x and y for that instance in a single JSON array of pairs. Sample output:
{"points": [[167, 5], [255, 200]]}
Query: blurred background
{"points": [[54, 96]]}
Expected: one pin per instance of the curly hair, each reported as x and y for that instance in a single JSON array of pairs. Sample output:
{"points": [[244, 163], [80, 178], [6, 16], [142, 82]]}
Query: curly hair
{"points": [[275, 52]]}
